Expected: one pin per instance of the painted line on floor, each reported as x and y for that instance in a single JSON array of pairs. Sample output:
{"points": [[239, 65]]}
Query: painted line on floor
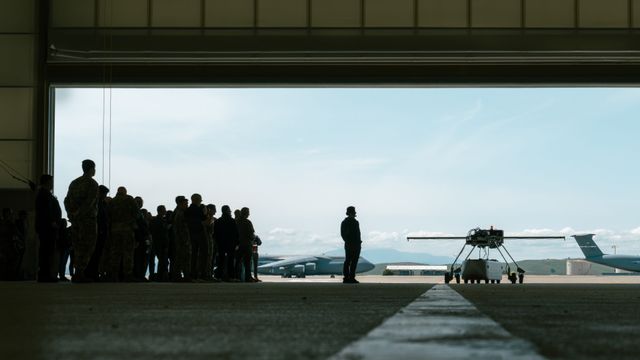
{"points": [[440, 324]]}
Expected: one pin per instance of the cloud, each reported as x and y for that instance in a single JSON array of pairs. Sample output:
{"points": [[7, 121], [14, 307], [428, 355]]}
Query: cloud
{"points": [[281, 231], [285, 241]]}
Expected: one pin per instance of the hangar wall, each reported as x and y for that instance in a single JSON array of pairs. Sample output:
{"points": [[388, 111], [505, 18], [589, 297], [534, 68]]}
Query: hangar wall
{"points": [[18, 82]]}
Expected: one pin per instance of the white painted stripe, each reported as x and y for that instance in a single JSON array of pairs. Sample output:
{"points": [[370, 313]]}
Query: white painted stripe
{"points": [[440, 324]]}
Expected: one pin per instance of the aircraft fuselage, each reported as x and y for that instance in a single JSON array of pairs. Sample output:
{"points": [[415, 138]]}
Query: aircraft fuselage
{"points": [[624, 262]]}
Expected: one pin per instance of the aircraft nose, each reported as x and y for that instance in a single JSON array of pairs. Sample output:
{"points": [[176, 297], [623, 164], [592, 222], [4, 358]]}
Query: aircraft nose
{"points": [[367, 265]]}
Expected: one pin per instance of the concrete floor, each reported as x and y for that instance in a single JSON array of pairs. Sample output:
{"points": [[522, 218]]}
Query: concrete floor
{"points": [[310, 319], [565, 321], [196, 321]]}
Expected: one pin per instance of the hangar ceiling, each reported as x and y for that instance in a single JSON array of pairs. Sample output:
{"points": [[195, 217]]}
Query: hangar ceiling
{"points": [[345, 41]]}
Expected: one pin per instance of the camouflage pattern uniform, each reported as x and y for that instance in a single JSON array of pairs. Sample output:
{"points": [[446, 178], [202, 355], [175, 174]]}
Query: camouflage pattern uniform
{"points": [[123, 212], [81, 204], [183, 244]]}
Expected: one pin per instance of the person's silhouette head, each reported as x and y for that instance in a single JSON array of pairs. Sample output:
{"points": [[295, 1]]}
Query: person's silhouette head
{"points": [[46, 181], [351, 211], [244, 213], [161, 210], [103, 191], [196, 199], [89, 167], [121, 191], [226, 210]]}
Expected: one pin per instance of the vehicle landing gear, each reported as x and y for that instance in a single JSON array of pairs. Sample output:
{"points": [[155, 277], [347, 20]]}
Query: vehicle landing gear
{"points": [[447, 278]]}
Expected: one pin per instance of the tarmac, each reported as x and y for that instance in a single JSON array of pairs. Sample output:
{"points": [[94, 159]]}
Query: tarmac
{"points": [[563, 317]]}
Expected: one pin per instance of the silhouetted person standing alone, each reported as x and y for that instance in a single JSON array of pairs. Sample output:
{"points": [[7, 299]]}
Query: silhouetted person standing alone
{"points": [[350, 232]]}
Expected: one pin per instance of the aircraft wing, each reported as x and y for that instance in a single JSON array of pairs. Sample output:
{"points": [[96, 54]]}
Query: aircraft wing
{"points": [[436, 237], [299, 260], [464, 237], [533, 237]]}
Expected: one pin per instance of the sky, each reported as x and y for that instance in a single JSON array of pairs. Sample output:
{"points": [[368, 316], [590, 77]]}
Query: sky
{"points": [[414, 161]]}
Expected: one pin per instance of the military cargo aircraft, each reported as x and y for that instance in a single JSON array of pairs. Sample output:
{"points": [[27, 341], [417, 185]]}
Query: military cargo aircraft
{"points": [[593, 254], [301, 266]]}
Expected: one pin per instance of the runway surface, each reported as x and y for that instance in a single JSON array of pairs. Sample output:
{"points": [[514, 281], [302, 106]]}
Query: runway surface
{"points": [[312, 318]]}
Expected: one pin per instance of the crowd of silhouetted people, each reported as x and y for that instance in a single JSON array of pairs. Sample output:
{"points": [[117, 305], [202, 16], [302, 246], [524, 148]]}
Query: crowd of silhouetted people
{"points": [[115, 239]]}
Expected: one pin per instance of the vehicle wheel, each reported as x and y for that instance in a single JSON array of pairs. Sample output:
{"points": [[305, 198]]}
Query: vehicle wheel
{"points": [[493, 281], [486, 281], [457, 279], [497, 281], [466, 281]]}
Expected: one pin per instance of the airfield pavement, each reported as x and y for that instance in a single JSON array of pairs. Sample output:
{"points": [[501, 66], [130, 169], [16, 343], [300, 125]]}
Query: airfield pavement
{"points": [[564, 317]]}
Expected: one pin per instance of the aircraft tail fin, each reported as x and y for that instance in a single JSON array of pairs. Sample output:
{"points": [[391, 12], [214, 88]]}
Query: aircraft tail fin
{"points": [[588, 246]]}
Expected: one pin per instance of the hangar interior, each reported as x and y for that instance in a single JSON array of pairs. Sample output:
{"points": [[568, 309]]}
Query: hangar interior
{"points": [[291, 43]]}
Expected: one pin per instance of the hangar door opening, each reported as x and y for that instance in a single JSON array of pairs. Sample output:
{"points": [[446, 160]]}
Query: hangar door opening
{"points": [[413, 160]]}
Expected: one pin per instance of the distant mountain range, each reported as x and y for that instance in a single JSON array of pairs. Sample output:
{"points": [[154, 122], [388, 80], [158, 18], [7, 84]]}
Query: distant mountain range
{"points": [[385, 256]]}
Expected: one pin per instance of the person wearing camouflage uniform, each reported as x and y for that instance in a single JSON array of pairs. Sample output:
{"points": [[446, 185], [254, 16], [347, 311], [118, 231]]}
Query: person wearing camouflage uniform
{"points": [[183, 240], [123, 212], [81, 204]]}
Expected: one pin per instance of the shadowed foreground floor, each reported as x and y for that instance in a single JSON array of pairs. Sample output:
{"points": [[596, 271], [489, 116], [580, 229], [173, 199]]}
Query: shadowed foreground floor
{"points": [[162, 321], [565, 321]]}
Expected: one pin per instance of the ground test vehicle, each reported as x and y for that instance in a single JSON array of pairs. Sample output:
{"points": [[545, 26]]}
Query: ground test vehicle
{"points": [[483, 268]]}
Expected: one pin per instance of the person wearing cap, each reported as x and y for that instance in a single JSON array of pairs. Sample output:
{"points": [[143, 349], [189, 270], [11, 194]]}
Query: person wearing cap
{"points": [[81, 204], [350, 232]]}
